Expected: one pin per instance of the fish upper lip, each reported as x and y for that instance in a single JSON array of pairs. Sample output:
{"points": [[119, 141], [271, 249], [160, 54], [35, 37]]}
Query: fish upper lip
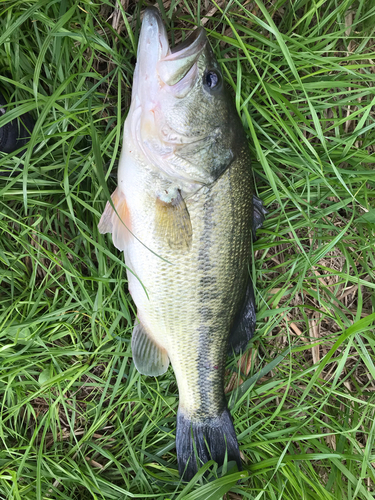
{"points": [[193, 44], [194, 38]]}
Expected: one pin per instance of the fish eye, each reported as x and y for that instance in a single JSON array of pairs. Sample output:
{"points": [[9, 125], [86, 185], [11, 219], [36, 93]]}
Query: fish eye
{"points": [[211, 79]]}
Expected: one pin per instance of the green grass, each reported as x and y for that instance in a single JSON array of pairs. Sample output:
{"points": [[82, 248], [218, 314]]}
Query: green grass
{"points": [[76, 419]]}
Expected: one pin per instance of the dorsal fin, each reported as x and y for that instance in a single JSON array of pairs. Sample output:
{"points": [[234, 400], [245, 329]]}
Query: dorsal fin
{"points": [[244, 323], [259, 214]]}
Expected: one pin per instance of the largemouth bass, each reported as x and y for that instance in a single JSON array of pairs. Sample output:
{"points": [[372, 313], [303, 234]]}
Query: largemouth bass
{"points": [[184, 216]]}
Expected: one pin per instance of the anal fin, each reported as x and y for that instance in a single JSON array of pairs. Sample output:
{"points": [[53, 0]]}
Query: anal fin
{"points": [[244, 324], [119, 224], [148, 357], [173, 220], [259, 214]]}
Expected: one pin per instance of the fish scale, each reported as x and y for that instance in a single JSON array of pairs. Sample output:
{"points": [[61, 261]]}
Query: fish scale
{"points": [[187, 307]]}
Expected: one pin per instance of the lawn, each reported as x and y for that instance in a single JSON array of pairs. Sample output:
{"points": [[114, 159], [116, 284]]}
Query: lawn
{"points": [[77, 421]]}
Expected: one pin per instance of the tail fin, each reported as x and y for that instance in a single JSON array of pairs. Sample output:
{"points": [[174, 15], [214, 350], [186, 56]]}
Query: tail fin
{"points": [[199, 442]]}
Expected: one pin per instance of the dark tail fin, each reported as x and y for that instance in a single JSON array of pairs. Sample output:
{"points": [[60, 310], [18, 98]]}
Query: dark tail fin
{"points": [[199, 442]]}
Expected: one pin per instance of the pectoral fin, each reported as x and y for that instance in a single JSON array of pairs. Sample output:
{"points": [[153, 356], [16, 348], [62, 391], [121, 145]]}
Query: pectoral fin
{"points": [[148, 357], [244, 324], [118, 225], [173, 221]]}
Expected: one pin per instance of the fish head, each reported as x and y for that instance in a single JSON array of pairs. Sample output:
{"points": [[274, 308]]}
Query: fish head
{"points": [[182, 119]]}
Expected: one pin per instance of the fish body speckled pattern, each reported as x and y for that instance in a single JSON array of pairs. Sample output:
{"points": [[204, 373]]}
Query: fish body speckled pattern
{"points": [[185, 215]]}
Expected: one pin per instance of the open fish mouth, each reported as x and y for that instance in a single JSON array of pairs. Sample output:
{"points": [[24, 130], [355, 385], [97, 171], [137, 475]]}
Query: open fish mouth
{"points": [[182, 58], [159, 64]]}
